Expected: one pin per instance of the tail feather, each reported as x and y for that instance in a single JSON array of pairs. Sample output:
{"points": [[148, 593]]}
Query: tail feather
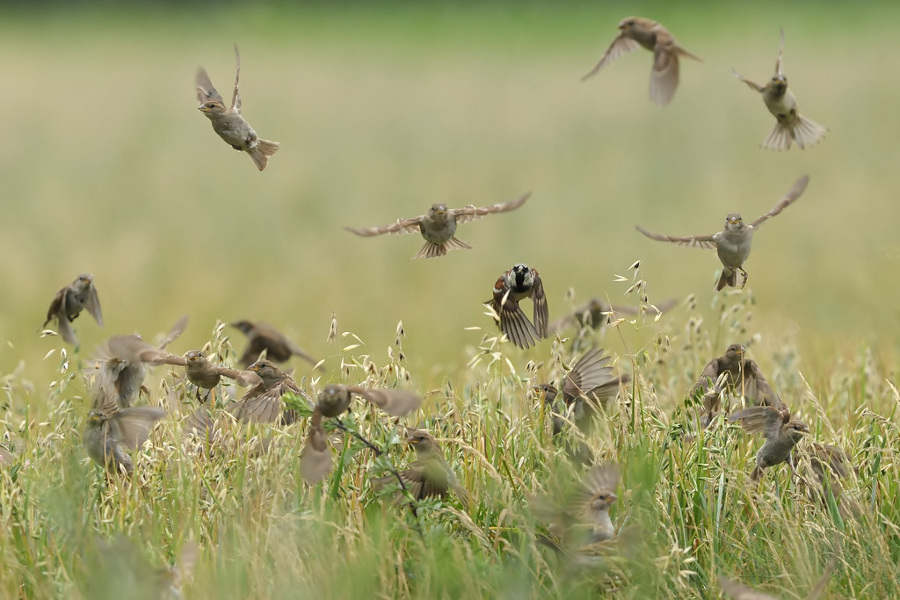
{"points": [[432, 250], [780, 138], [261, 153], [808, 133]]}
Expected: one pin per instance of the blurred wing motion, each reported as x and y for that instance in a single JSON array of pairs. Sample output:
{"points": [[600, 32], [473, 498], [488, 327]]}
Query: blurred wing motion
{"points": [[315, 459], [205, 89], [394, 402], [789, 198], [696, 241], [236, 98], [471, 213], [620, 46]]}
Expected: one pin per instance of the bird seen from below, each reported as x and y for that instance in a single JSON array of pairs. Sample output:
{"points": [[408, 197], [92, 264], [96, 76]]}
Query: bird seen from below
{"points": [[438, 226], [228, 122], [732, 243], [790, 125], [68, 304], [635, 32]]}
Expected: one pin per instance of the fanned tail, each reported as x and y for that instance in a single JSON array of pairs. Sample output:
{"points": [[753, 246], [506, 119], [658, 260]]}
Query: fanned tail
{"points": [[262, 152], [432, 250], [808, 133], [780, 138]]}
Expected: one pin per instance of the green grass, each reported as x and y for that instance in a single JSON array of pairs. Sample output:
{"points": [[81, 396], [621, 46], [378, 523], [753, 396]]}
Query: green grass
{"points": [[381, 110]]}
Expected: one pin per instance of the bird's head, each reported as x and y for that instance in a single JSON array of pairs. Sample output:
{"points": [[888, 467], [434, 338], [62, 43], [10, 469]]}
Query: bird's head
{"points": [[438, 211], [778, 84], [212, 107], [627, 24], [734, 222], [546, 392]]}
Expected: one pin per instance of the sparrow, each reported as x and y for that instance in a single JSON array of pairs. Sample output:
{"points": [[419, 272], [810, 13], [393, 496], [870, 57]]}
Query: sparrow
{"points": [[429, 476], [333, 401], [781, 431], [438, 226], [68, 304], [830, 465], [121, 362], [228, 122], [590, 383], [732, 243], [111, 432], [264, 337], [738, 591], [790, 125], [637, 31], [734, 373], [262, 403], [206, 375], [122, 571], [512, 286], [581, 520]]}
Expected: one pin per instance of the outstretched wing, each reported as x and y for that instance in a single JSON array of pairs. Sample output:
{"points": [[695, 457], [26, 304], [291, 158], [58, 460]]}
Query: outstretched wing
{"points": [[752, 84], [236, 98], [778, 70], [694, 241], [541, 311], [205, 89], [410, 225], [621, 45], [791, 196], [470, 213]]}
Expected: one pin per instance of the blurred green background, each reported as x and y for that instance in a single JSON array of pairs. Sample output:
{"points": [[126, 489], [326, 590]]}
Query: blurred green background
{"points": [[385, 108]]}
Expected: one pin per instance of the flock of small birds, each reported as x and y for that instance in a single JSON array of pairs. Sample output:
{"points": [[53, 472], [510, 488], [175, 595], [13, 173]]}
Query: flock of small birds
{"points": [[578, 523]]}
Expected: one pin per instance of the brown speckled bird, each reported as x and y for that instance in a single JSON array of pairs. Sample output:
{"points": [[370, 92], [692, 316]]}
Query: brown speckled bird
{"points": [[207, 376], [429, 476], [438, 226], [333, 401], [790, 125], [732, 243], [263, 403], [228, 122], [512, 287], [635, 32], [121, 362], [734, 374], [781, 432], [263, 337], [112, 432], [68, 304]]}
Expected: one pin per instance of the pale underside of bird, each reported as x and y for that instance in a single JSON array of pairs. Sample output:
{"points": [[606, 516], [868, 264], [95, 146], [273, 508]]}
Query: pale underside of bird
{"points": [[438, 226], [732, 244], [790, 125], [636, 32], [228, 122]]}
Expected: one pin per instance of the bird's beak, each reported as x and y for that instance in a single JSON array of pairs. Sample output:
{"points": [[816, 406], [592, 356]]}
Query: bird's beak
{"points": [[613, 498]]}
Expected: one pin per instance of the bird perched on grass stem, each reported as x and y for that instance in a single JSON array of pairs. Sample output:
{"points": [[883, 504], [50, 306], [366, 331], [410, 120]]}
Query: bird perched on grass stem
{"points": [[332, 402], [790, 125], [228, 122], [68, 304], [635, 32], [263, 337], [429, 475], [511, 287], [111, 432], [732, 243], [438, 226]]}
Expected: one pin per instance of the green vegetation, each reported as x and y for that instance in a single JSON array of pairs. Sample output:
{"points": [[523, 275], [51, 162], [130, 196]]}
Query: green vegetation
{"points": [[108, 168]]}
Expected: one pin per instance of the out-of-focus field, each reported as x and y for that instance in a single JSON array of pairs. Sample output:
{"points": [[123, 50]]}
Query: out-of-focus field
{"points": [[109, 168]]}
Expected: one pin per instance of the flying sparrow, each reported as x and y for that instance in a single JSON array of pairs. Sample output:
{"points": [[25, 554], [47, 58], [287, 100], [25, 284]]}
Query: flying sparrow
{"points": [[781, 431], [790, 125], [595, 314], [438, 225], [581, 520], [332, 402], [263, 337], [830, 465], [734, 373], [590, 383], [429, 476], [262, 403], [512, 286], [228, 122], [111, 432], [121, 362], [637, 31], [68, 304], [732, 243]]}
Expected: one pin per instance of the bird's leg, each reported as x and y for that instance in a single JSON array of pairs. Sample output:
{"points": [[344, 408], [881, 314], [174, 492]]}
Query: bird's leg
{"points": [[746, 276]]}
